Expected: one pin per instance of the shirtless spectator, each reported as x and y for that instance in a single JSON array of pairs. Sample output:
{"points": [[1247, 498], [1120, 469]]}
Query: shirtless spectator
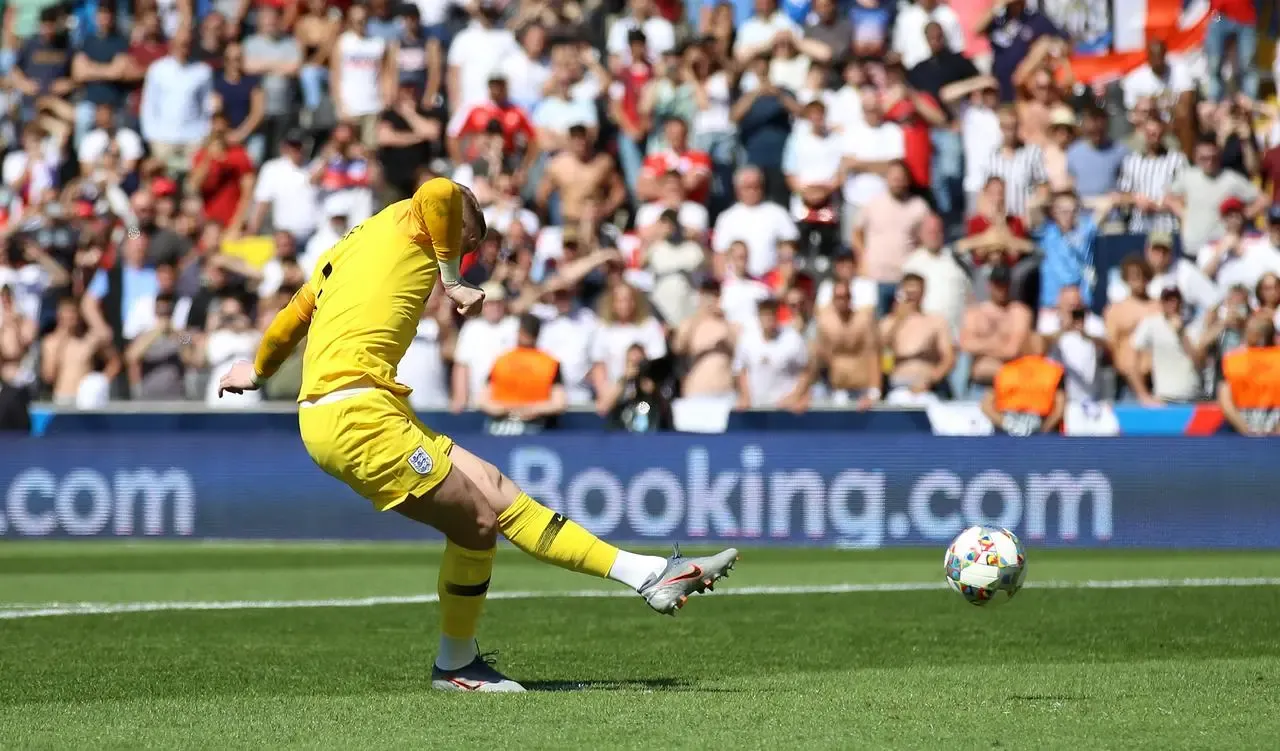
{"points": [[1122, 317], [923, 354], [693, 166], [994, 332], [17, 330], [77, 362], [769, 362], [578, 174], [847, 346], [706, 341], [672, 196]]}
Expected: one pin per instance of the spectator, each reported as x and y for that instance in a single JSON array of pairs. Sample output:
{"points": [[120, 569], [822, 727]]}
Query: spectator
{"points": [[1241, 256], [560, 109], [947, 288], [637, 401], [223, 176], [283, 194], [885, 231], [864, 293], [672, 260], [1246, 407], [1224, 331], [705, 344], [32, 170], [1077, 339], [383, 22], [1061, 134], [137, 284], [27, 273], [1145, 178], [231, 337], [276, 58], [1197, 194], [945, 69], [1166, 351], [693, 166], [624, 107], [1172, 272], [759, 33], [1067, 236], [658, 34], [106, 133], [1124, 313], [1012, 28], [360, 68], [1167, 82], [624, 321], [527, 67], [17, 332], [915, 113], [994, 332], [691, 216], [481, 341], [154, 360], [846, 347], [477, 52], [977, 100], [740, 291], [769, 361], [406, 136], [1238, 19], [1028, 396], [1018, 164], [1267, 294], [419, 58], [1043, 80], [763, 116], [1095, 162], [811, 165], [525, 389], [101, 65], [870, 150], [174, 113], [758, 224], [476, 123], [567, 332], [921, 345], [42, 73], [827, 25], [315, 31], [342, 168], [871, 21], [909, 36], [77, 361], [241, 100], [577, 177]]}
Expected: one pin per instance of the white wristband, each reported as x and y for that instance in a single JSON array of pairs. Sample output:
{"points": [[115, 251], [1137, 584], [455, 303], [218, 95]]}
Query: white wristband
{"points": [[450, 273]]}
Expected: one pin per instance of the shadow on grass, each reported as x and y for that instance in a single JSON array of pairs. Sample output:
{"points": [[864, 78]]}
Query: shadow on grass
{"points": [[625, 684]]}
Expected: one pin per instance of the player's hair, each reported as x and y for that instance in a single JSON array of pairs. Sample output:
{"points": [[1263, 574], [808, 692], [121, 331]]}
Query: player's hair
{"points": [[472, 214]]}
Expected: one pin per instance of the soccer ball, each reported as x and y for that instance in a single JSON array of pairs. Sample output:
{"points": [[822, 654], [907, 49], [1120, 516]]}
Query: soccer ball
{"points": [[985, 565]]}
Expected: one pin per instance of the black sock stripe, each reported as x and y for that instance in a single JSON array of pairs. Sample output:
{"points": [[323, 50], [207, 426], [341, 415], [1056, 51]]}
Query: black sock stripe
{"points": [[467, 590], [549, 533]]}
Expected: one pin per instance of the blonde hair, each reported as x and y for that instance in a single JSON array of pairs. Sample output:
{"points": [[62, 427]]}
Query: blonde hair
{"points": [[604, 308]]}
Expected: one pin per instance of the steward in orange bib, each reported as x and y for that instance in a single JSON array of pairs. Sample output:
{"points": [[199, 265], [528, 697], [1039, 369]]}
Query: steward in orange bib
{"points": [[1250, 392], [1027, 395], [525, 393]]}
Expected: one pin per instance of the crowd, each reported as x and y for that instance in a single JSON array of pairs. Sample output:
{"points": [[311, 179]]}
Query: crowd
{"points": [[774, 205]]}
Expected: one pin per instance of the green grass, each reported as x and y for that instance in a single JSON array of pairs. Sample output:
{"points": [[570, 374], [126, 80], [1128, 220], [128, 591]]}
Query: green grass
{"points": [[1086, 668]]}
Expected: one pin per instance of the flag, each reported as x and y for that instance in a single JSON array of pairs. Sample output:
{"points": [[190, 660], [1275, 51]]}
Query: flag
{"points": [[1135, 24]]}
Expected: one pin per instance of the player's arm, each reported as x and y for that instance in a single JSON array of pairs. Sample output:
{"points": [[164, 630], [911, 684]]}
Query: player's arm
{"points": [[443, 205], [287, 329]]}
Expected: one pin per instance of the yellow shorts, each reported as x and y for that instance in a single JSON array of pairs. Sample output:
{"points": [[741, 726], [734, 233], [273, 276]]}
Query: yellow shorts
{"points": [[374, 443]]}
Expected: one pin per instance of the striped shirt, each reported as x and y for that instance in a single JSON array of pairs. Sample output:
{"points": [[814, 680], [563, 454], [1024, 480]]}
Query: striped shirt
{"points": [[1022, 172], [1150, 175]]}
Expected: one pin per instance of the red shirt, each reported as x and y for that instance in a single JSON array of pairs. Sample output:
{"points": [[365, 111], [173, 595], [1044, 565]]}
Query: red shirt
{"points": [[1271, 172], [1240, 11], [917, 145], [690, 162], [978, 224], [633, 79], [220, 188], [517, 129]]}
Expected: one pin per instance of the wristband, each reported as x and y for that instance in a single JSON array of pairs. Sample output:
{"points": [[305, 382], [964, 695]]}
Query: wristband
{"points": [[449, 273], [258, 379]]}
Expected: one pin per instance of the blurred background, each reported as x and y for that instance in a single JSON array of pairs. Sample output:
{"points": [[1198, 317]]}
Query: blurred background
{"points": [[698, 209]]}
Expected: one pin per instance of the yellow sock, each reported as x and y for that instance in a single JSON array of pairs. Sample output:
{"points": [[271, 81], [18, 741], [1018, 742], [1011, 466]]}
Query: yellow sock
{"points": [[463, 583], [553, 538]]}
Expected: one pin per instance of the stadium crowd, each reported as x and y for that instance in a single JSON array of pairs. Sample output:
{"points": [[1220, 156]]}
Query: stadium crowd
{"points": [[836, 203]]}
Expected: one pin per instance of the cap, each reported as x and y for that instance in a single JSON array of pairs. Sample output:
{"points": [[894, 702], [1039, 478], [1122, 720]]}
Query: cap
{"points": [[1000, 274], [1062, 116], [1230, 205], [1160, 240], [493, 291], [1273, 214]]}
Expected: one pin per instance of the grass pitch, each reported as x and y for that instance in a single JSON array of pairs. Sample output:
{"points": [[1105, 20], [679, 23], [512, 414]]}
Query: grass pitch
{"points": [[1150, 666]]}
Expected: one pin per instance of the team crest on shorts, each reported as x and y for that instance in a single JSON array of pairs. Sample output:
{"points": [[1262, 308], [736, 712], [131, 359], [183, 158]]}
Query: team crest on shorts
{"points": [[420, 460]]}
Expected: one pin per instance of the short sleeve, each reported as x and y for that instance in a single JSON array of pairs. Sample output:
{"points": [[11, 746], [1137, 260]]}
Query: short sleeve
{"points": [[787, 229], [1248, 192], [459, 49], [265, 189], [99, 286], [655, 343]]}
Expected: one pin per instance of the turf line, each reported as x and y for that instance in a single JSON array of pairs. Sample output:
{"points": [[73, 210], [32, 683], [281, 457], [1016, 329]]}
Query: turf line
{"points": [[51, 609]]}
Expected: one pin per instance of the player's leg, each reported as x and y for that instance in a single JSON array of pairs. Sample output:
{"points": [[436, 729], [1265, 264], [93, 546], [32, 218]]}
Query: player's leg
{"points": [[456, 508], [553, 538]]}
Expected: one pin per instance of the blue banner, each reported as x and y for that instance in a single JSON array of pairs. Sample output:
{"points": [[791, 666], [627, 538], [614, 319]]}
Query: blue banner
{"points": [[847, 489]]}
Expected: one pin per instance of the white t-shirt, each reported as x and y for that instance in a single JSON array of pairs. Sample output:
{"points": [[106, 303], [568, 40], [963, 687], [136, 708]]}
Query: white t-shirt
{"points": [[1144, 82], [422, 368], [715, 118], [758, 31], [659, 36], [477, 52], [908, 32], [1077, 354], [558, 115], [863, 293], [611, 341], [568, 339], [502, 217], [288, 189], [773, 366], [359, 65], [810, 158], [525, 78], [96, 141], [480, 344], [1198, 291], [761, 227], [691, 216], [844, 108], [433, 12], [28, 284], [222, 348], [1257, 257], [740, 299], [870, 144], [1173, 374], [980, 134]]}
